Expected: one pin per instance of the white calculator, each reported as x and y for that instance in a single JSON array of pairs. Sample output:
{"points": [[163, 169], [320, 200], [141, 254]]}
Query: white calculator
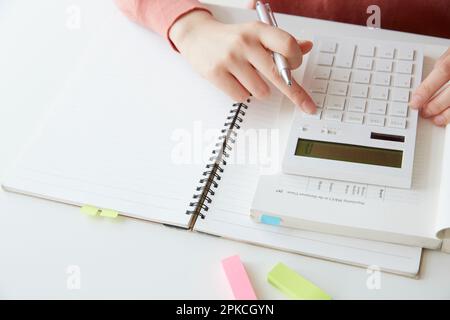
{"points": [[363, 130]]}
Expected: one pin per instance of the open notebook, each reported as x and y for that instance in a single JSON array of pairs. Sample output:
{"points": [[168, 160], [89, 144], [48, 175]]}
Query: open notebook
{"points": [[138, 132]]}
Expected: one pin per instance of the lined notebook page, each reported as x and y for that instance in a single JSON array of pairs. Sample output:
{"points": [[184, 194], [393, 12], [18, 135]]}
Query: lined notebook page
{"points": [[229, 213], [113, 140]]}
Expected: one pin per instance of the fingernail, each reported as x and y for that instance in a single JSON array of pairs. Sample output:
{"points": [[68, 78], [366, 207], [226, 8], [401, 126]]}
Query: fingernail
{"points": [[310, 107], [416, 101], [440, 120]]}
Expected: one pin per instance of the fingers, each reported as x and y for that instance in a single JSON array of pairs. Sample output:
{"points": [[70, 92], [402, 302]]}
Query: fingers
{"points": [[435, 80], [298, 96], [251, 80], [438, 104], [443, 118], [446, 54], [433, 94], [231, 86], [277, 40], [262, 60], [251, 4], [305, 46]]}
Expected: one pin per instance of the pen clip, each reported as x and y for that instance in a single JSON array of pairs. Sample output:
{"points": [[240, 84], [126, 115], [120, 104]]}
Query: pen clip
{"points": [[271, 15]]}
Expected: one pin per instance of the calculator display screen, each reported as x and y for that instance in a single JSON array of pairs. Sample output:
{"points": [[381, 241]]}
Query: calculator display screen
{"points": [[349, 153]]}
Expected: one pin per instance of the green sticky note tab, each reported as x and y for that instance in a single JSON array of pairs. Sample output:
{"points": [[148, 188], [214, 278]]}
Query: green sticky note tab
{"points": [[94, 211], [90, 210], [108, 213], [294, 285]]}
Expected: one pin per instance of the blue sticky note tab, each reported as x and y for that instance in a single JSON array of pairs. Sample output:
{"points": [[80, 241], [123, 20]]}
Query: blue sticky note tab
{"points": [[272, 220]]}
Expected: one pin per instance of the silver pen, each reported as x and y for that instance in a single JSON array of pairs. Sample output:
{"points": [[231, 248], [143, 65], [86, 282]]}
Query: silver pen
{"points": [[265, 15]]}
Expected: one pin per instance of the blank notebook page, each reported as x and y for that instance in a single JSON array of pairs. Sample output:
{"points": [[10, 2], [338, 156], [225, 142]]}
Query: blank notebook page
{"points": [[111, 139]]}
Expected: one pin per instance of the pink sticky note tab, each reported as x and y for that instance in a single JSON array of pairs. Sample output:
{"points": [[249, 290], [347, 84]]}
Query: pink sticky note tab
{"points": [[238, 278]]}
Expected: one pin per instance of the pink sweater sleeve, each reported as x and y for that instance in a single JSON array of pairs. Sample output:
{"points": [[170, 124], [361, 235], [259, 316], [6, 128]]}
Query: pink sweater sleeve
{"points": [[158, 15]]}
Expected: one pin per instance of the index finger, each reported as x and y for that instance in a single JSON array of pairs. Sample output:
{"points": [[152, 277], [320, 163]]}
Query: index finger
{"points": [[262, 60], [432, 83]]}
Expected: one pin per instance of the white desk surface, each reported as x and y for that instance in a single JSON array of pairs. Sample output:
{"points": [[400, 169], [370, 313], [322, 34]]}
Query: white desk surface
{"points": [[127, 258]]}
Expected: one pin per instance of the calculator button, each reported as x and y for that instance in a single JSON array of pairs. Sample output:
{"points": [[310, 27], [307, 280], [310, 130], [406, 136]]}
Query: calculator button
{"points": [[402, 80], [357, 118], [395, 122], [344, 57], [375, 121], [383, 65], [340, 75], [363, 63], [359, 90], [322, 73], [405, 54], [357, 105], [325, 59], [401, 95], [380, 78], [328, 46], [385, 52], [319, 86], [366, 50], [403, 67], [335, 103], [398, 109], [318, 99], [377, 92], [361, 77], [338, 88], [376, 107], [316, 115], [332, 115]]}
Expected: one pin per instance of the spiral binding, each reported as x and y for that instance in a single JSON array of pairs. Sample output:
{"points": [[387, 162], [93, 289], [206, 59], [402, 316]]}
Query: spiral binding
{"points": [[213, 170]]}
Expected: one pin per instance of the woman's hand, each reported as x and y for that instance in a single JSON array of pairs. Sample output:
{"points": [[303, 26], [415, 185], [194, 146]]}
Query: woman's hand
{"points": [[232, 56], [432, 97]]}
